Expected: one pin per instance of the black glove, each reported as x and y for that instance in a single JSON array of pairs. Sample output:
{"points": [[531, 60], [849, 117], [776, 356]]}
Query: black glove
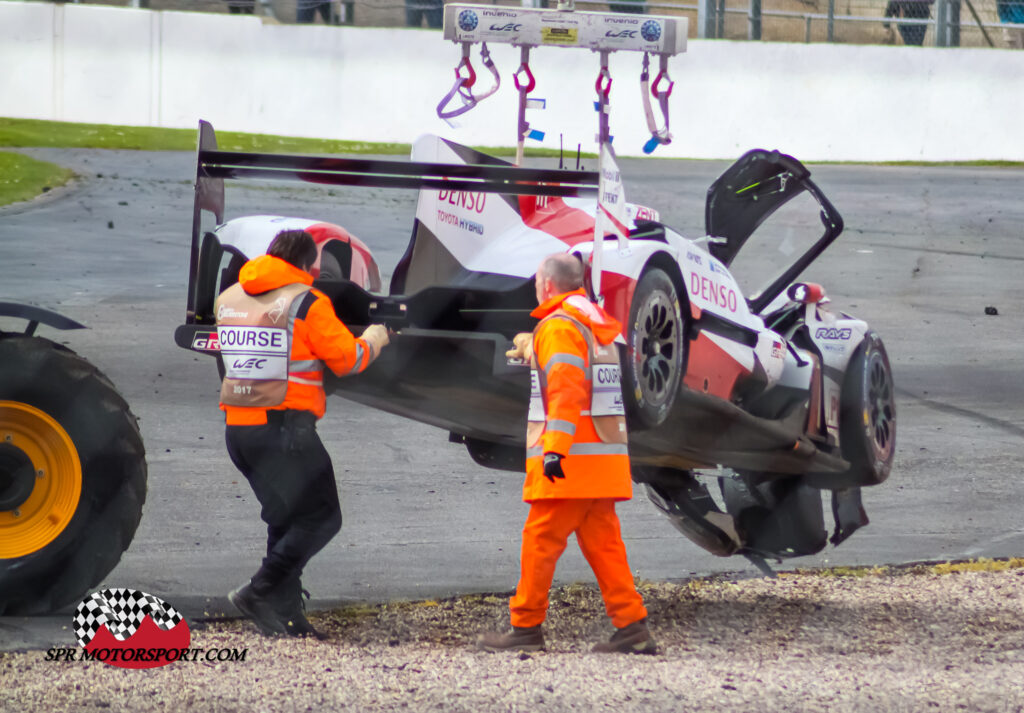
{"points": [[553, 466]]}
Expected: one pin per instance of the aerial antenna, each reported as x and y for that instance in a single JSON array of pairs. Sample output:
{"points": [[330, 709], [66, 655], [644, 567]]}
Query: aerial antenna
{"points": [[560, 151]]}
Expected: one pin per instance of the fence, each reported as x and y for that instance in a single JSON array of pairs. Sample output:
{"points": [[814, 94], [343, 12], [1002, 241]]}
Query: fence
{"points": [[818, 101], [940, 23]]}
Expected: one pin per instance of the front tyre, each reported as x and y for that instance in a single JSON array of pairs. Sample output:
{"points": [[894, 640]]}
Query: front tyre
{"points": [[72, 476], [655, 355]]}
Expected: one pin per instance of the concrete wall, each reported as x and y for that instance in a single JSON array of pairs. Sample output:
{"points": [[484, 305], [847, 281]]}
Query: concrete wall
{"points": [[113, 65]]}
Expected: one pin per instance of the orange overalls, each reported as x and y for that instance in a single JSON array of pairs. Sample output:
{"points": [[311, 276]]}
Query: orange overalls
{"points": [[596, 470]]}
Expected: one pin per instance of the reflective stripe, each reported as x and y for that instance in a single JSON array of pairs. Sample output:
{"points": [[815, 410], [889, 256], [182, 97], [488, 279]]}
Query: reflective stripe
{"points": [[567, 427], [293, 313], [360, 353], [293, 308], [307, 365], [587, 337], [309, 382], [300, 365], [570, 359], [598, 449], [587, 449]]}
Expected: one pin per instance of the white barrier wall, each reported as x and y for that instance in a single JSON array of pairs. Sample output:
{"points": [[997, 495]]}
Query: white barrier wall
{"points": [[819, 102]]}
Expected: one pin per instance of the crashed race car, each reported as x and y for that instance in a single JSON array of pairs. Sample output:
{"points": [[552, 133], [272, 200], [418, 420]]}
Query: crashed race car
{"points": [[774, 400]]}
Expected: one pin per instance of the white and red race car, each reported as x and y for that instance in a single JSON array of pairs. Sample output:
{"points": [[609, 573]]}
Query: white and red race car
{"points": [[776, 396]]}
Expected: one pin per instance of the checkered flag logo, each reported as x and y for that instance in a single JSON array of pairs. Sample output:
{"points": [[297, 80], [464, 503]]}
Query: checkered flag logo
{"points": [[122, 610]]}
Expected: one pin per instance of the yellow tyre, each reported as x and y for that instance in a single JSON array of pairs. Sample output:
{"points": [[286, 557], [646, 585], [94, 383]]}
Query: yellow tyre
{"points": [[72, 476]]}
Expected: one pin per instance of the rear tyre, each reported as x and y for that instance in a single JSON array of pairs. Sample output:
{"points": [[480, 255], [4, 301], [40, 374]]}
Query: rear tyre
{"points": [[867, 414], [655, 355], [72, 476]]}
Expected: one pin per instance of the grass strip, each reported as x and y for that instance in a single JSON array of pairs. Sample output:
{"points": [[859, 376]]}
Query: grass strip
{"points": [[982, 564], [23, 133], [23, 178], [60, 134]]}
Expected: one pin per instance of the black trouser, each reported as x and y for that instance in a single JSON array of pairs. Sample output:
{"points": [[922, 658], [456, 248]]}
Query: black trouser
{"points": [[913, 9], [417, 10], [306, 10], [291, 474]]}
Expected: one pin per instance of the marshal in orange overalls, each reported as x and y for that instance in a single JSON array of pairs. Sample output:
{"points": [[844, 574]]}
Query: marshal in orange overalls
{"points": [[567, 344]]}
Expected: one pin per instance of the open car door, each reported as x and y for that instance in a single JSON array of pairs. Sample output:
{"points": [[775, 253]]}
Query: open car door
{"points": [[746, 195]]}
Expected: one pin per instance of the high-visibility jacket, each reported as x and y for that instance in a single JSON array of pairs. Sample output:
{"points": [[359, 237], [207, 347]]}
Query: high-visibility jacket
{"points": [[273, 302], [576, 408]]}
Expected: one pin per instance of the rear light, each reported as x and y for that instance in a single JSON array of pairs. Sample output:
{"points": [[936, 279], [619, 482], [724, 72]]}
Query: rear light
{"points": [[806, 292]]}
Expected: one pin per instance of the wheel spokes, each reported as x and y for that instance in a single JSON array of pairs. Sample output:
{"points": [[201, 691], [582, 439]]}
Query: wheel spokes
{"points": [[880, 403], [656, 356]]}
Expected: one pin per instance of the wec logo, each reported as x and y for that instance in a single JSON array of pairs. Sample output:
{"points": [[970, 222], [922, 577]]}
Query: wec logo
{"points": [[628, 34], [509, 27], [250, 363], [832, 333]]}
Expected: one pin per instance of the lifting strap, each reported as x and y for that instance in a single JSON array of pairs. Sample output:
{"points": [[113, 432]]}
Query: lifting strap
{"points": [[524, 88], [603, 87], [662, 136], [463, 86]]}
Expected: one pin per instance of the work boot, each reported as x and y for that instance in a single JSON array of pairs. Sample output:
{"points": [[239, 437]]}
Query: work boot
{"points": [[288, 602], [632, 639], [521, 638], [256, 608]]}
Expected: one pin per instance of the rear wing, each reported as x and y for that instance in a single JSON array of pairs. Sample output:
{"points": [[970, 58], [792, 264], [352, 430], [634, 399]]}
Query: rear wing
{"points": [[214, 166]]}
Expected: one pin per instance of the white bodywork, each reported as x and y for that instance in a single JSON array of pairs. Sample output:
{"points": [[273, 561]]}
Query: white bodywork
{"points": [[487, 234]]}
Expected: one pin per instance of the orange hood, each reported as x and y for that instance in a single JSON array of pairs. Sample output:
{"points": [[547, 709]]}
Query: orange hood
{"points": [[267, 273], [578, 305]]}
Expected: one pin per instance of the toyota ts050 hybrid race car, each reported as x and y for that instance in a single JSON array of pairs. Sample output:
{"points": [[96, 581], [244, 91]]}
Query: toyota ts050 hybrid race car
{"points": [[772, 399]]}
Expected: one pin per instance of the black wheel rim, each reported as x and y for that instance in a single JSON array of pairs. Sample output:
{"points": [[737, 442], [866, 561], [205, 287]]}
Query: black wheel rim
{"points": [[657, 346], [881, 409]]}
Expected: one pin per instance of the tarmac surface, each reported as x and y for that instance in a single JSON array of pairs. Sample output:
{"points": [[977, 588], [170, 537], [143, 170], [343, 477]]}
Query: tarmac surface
{"points": [[926, 250]]}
